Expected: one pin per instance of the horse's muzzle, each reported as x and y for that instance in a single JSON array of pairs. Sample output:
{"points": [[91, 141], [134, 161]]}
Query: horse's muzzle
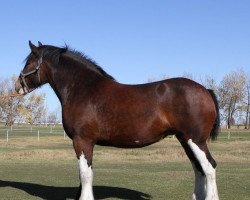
{"points": [[19, 88]]}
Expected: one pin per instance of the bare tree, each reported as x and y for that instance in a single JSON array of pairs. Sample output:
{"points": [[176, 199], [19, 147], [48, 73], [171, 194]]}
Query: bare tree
{"points": [[28, 109], [9, 106], [188, 75], [209, 82], [247, 104], [231, 94], [2, 100], [34, 108], [52, 118]]}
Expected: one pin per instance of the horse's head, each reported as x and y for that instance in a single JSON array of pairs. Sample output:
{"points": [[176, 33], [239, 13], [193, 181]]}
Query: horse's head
{"points": [[33, 74]]}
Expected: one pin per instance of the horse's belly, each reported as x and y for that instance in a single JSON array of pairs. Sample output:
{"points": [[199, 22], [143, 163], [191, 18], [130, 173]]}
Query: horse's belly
{"points": [[131, 141]]}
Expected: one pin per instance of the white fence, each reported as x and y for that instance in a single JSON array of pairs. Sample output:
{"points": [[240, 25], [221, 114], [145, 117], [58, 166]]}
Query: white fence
{"points": [[17, 131], [6, 133]]}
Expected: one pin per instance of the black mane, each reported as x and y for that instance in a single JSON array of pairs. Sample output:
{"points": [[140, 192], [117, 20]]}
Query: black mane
{"points": [[86, 61], [53, 54]]}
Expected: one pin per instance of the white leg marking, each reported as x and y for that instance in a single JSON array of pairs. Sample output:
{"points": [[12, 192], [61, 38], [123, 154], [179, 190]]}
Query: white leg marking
{"points": [[210, 173], [200, 185], [86, 177]]}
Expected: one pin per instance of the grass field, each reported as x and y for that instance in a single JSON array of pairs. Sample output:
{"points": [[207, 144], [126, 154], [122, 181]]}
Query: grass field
{"points": [[47, 169]]}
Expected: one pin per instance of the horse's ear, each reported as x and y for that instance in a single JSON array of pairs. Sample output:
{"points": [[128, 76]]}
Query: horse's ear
{"points": [[39, 44], [33, 48]]}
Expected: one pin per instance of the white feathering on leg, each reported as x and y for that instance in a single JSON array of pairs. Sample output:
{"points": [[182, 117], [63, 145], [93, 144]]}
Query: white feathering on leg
{"points": [[86, 176], [210, 173]]}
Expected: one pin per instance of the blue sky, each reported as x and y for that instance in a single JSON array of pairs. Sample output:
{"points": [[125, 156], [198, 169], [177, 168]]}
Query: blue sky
{"points": [[133, 40]]}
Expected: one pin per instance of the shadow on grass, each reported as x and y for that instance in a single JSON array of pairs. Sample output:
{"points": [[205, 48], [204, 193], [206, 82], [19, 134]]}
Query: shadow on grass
{"points": [[61, 193]]}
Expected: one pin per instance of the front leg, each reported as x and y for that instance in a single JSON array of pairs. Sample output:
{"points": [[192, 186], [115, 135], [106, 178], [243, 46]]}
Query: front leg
{"points": [[84, 153], [86, 177]]}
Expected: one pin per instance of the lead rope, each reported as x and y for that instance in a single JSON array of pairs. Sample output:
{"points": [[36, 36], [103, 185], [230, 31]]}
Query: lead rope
{"points": [[11, 95]]}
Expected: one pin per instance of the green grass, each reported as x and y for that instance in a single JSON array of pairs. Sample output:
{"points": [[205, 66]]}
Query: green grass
{"points": [[234, 136], [48, 169]]}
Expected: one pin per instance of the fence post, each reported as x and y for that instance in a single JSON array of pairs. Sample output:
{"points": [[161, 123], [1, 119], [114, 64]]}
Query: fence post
{"points": [[38, 135], [228, 135], [7, 136]]}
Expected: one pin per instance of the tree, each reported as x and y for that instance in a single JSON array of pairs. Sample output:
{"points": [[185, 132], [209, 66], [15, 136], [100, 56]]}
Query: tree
{"points": [[2, 100], [188, 76], [54, 116], [29, 109], [34, 108], [9, 106], [247, 104], [210, 83], [231, 94]]}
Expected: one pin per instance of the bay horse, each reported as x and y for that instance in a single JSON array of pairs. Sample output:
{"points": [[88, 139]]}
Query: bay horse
{"points": [[96, 109]]}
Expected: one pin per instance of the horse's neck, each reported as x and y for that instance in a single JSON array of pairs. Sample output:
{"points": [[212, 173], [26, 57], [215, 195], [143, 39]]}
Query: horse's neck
{"points": [[67, 82]]}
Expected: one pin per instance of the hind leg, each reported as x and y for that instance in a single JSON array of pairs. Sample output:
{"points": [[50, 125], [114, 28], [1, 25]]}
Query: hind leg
{"points": [[200, 179], [208, 165], [204, 169]]}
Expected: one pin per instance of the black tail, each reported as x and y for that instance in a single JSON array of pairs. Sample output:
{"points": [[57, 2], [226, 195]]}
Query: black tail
{"points": [[215, 131]]}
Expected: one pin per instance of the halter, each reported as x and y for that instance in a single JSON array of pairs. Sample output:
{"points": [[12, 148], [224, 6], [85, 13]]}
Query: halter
{"points": [[36, 70]]}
